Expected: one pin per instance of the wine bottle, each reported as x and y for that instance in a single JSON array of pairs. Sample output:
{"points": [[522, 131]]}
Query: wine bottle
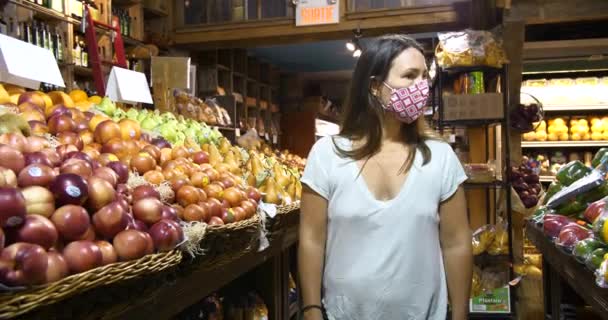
{"points": [[76, 53], [84, 54], [60, 56]]}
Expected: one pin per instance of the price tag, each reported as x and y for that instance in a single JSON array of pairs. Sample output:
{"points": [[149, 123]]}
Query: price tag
{"points": [[266, 136], [452, 138], [261, 134], [274, 139], [237, 132]]}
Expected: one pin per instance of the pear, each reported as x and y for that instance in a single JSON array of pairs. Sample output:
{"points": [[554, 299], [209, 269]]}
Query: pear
{"points": [[272, 195], [214, 155], [298, 190], [224, 146], [10, 122], [291, 189]]}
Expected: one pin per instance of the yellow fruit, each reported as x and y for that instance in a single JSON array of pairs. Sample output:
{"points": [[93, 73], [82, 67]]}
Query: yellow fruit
{"points": [[563, 137], [605, 135], [13, 89], [586, 136], [597, 126], [575, 136], [14, 98], [95, 99], [595, 120], [542, 126], [541, 136], [60, 97], [3, 93], [551, 129], [83, 105], [552, 137], [78, 95], [529, 136], [573, 122], [596, 136], [583, 122], [559, 122]]}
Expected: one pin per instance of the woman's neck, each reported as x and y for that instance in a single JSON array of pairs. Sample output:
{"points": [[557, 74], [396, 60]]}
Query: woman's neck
{"points": [[391, 129]]}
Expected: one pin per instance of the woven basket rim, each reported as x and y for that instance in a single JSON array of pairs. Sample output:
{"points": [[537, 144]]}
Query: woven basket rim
{"points": [[115, 265]]}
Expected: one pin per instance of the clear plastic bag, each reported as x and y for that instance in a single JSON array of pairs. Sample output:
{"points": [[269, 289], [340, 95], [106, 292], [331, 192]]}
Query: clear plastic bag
{"points": [[570, 234], [595, 259], [584, 248], [483, 238], [470, 48], [600, 275], [500, 245], [553, 224]]}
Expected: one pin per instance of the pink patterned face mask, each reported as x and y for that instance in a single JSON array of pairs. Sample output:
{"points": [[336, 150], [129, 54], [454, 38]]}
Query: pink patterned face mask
{"points": [[408, 104]]}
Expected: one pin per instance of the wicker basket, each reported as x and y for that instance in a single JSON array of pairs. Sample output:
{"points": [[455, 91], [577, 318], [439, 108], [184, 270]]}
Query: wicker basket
{"points": [[15, 304], [233, 237], [286, 216]]}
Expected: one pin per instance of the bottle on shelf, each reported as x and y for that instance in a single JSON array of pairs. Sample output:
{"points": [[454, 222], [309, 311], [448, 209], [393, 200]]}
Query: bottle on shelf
{"points": [[58, 45], [47, 38], [84, 54], [76, 52]]}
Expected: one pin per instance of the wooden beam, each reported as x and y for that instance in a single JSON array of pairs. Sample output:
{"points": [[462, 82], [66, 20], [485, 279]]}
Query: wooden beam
{"points": [[557, 11], [285, 31], [565, 48]]}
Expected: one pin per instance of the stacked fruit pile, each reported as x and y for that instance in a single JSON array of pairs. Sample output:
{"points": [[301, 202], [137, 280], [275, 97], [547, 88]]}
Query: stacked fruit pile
{"points": [[81, 189], [579, 129]]}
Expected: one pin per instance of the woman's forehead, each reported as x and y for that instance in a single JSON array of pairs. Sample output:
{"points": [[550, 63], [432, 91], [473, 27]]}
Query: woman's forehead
{"points": [[410, 58]]}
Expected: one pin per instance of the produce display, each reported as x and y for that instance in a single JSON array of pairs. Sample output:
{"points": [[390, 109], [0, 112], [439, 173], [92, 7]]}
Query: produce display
{"points": [[578, 225], [491, 239], [526, 184], [574, 128], [85, 184], [488, 279], [568, 92], [547, 164], [207, 111]]}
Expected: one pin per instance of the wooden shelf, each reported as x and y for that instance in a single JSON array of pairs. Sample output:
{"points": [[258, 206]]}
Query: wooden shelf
{"points": [[154, 13], [483, 185], [570, 108], [563, 144], [131, 41], [126, 3], [83, 71], [561, 267], [472, 122], [471, 69], [41, 12]]}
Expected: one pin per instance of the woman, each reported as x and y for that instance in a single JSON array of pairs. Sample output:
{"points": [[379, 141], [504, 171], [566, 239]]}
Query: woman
{"points": [[383, 222]]}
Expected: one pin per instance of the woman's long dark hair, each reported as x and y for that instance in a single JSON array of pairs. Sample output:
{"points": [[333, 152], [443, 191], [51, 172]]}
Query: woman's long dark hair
{"points": [[363, 115]]}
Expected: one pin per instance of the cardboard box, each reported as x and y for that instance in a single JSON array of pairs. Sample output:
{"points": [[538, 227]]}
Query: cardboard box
{"points": [[497, 301], [473, 106]]}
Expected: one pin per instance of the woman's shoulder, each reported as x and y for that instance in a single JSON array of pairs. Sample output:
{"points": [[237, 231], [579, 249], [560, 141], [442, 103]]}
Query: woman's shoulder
{"points": [[438, 146], [327, 145]]}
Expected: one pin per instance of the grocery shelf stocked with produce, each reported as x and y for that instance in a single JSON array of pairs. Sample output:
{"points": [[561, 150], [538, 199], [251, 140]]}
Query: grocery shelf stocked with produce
{"points": [[575, 122]]}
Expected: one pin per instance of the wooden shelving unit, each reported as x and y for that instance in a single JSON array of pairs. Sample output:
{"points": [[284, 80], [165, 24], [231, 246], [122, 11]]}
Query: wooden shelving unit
{"points": [[69, 26], [254, 84]]}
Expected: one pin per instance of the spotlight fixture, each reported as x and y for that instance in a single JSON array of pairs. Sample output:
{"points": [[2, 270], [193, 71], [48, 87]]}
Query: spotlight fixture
{"points": [[354, 45]]}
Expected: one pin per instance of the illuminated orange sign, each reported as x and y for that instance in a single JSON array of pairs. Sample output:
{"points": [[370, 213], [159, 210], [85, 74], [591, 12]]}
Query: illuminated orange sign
{"points": [[311, 13]]}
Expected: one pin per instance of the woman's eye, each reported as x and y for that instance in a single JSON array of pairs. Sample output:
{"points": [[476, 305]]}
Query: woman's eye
{"points": [[409, 76]]}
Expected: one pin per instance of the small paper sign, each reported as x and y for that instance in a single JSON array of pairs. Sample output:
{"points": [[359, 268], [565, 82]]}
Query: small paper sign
{"points": [[266, 136], [269, 208], [274, 139], [128, 86], [497, 301], [27, 65], [238, 132]]}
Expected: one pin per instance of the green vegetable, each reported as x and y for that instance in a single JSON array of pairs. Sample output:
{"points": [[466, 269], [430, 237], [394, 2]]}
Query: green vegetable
{"points": [[571, 208], [540, 213], [599, 157], [594, 194], [554, 188], [571, 172], [594, 261], [584, 248]]}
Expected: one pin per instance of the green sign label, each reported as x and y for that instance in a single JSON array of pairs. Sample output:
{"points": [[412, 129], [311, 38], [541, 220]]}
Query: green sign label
{"points": [[497, 301]]}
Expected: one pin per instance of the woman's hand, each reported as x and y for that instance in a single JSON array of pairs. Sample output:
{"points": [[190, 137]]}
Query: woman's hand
{"points": [[311, 250], [455, 236]]}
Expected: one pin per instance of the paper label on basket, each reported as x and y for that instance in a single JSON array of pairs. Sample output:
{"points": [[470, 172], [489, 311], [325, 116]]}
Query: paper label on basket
{"points": [[238, 132], [515, 281], [269, 208]]}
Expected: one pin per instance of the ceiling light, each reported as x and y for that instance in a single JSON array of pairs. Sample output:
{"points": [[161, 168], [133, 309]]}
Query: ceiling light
{"points": [[350, 46], [357, 53]]}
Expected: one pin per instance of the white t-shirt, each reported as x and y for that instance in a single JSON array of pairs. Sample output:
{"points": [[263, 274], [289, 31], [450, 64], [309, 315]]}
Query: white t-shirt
{"points": [[383, 259]]}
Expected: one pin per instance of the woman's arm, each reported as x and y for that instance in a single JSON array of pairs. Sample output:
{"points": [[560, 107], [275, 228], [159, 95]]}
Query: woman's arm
{"points": [[455, 236], [311, 251]]}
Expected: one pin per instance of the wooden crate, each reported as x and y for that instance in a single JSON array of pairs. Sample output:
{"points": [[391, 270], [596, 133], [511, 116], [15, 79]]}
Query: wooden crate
{"points": [[473, 106]]}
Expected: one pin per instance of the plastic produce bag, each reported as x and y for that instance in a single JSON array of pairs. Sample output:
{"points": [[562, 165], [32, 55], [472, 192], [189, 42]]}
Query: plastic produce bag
{"points": [[600, 227], [500, 245], [595, 259], [601, 274], [564, 197], [570, 234], [553, 188], [572, 172], [595, 209], [470, 48], [476, 282], [584, 248], [553, 224], [483, 238]]}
